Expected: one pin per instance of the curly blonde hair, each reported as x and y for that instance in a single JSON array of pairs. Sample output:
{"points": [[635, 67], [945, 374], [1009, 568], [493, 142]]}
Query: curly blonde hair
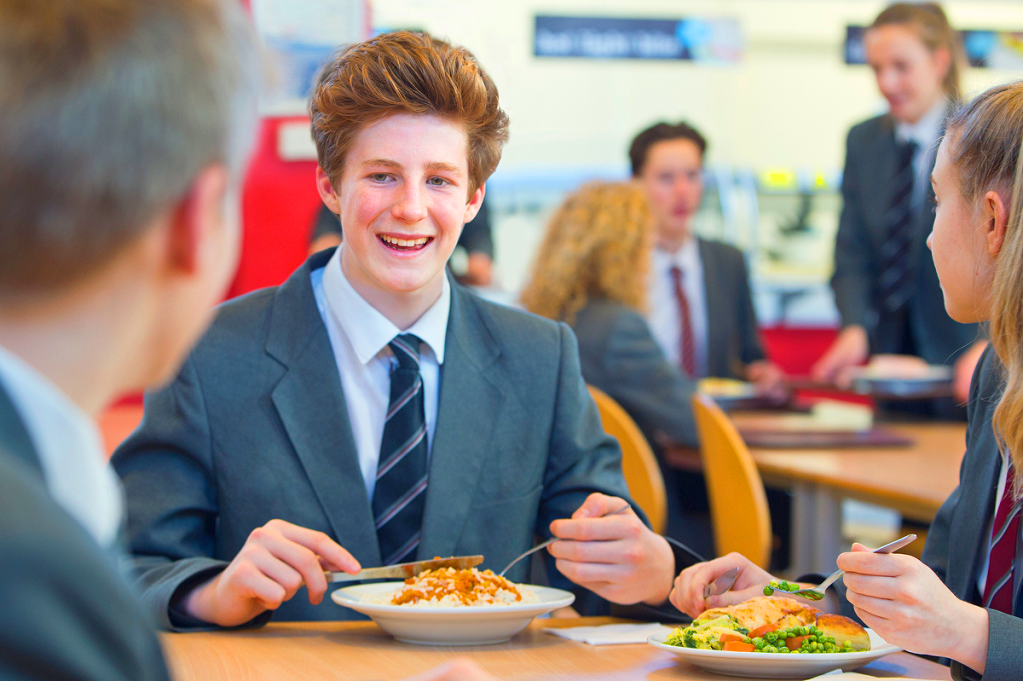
{"points": [[597, 245]]}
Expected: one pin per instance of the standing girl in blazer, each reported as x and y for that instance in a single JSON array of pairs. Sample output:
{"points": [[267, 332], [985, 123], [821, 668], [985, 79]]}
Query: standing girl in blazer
{"points": [[885, 285], [962, 600]]}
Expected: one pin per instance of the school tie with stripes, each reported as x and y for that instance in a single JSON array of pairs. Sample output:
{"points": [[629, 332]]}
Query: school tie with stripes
{"points": [[686, 345], [1002, 559], [896, 269], [400, 492]]}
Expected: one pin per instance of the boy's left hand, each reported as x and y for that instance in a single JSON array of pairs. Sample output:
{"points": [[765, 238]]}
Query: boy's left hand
{"points": [[617, 557], [909, 606]]}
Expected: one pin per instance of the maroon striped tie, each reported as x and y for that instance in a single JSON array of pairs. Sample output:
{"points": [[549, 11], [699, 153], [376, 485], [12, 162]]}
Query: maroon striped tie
{"points": [[686, 350], [1001, 560]]}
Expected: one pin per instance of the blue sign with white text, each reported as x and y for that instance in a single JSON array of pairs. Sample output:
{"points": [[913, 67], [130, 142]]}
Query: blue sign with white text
{"points": [[702, 40]]}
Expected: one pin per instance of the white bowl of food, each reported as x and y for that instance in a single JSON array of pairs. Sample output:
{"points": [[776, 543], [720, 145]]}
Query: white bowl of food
{"points": [[788, 639], [449, 607]]}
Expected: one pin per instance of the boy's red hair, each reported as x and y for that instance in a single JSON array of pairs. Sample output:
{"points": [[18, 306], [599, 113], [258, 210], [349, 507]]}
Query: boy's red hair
{"points": [[410, 73]]}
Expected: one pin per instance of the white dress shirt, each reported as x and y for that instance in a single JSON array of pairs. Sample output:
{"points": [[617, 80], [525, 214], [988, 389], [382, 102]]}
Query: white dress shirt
{"points": [[924, 133], [359, 336], [70, 449], [663, 315]]}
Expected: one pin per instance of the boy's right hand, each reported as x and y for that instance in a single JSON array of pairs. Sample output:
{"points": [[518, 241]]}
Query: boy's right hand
{"points": [[687, 594], [276, 560]]}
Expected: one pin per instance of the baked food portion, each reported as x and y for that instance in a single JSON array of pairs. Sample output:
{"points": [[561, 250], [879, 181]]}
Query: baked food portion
{"points": [[756, 612], [843, 629], [772, 625]]}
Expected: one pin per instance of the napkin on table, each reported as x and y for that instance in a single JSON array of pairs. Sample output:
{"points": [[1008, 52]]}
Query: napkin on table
{"points": [[610, 634]]}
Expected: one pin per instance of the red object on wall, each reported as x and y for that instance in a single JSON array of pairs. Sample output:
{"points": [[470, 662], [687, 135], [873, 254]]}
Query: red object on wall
{"points": [[279, 205]]}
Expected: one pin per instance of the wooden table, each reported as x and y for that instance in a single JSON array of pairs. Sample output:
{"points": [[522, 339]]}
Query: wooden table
{"points": [[913, 480], [362, 651]]}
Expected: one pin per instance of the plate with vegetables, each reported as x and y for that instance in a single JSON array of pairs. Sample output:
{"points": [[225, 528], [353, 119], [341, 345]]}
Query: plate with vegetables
{"points": [[774, 638]]}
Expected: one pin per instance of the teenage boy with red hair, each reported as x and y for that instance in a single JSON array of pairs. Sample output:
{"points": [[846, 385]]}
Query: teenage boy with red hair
{"points": [[370, 410]]}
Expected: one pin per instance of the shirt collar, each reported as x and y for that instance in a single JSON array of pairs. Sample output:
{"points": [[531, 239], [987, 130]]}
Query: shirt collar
{"points": [[367, 329], [926, 130], [685, 258], [69, 446]]}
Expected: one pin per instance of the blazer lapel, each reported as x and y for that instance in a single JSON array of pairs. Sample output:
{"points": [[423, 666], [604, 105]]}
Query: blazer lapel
{"points": [[879, 180], [965, 559], [14, 438], [311, 404], [716, 343], [470, 402]]}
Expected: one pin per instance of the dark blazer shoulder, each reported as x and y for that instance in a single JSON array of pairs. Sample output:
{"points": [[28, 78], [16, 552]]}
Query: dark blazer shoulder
{"points": [[251, 319], [507, 324], [600, 322], [725, 253], [870, 129], [605, 313], [57, 584], [985, 392]]}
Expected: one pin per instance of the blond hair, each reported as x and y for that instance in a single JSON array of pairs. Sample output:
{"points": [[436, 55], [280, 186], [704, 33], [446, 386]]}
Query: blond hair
{"points": [[597, 245], [934, 31], [985, 139]]}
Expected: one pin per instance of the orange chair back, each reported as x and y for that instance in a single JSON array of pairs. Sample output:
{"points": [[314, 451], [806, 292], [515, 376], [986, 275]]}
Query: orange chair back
{"points": [[642, 472], [738, 505]]}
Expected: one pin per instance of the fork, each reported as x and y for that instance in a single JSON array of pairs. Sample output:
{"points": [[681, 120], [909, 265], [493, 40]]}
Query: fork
{"points": [[552, 540], [817, 593]]}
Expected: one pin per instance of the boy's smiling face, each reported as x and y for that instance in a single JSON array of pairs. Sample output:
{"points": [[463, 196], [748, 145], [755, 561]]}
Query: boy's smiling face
{"points": [[403, 199]]}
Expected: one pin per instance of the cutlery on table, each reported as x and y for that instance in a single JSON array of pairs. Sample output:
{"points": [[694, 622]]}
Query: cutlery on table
{"points": [[406, 570], [721, 584], [552, 540], [817, 593]]}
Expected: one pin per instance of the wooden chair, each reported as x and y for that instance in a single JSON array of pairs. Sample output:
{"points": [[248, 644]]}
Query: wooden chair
{"points": [[642, 472], [738, 505]]}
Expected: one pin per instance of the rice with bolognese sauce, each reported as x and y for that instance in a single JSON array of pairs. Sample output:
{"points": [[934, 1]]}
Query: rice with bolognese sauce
{"points": [[448, 587]]}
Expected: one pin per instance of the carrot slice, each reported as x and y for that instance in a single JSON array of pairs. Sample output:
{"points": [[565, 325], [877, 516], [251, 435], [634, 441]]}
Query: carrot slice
{"points": [[739, 647], [760, 631], [795, 642]]}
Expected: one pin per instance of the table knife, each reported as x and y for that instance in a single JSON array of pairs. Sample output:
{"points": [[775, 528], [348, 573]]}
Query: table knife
{"points": [[406, 570], [721, 584]]}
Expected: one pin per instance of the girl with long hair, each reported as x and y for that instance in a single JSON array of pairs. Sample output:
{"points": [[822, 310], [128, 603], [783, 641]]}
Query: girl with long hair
{"points": [[962, 600], [885, 285]]}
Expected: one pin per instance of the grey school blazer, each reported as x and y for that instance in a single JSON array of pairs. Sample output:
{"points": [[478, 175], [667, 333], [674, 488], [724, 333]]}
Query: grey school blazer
{"points": [[954, 543], [866, 193], [255, 428], [733, 339], [65, 612], [620, 356]]}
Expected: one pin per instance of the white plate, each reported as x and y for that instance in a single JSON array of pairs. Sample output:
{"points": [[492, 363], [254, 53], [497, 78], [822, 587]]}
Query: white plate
{"points": [[467, 626], [775, 666]]}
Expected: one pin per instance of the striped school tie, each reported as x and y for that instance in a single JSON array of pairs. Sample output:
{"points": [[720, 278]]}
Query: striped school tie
{"points": [[1002, 558], [687, 348], [400, 492], [896, 269]]}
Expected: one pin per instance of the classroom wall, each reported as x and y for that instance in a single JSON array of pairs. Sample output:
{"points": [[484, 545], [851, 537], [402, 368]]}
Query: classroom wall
{"points": [[788, 103]]}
